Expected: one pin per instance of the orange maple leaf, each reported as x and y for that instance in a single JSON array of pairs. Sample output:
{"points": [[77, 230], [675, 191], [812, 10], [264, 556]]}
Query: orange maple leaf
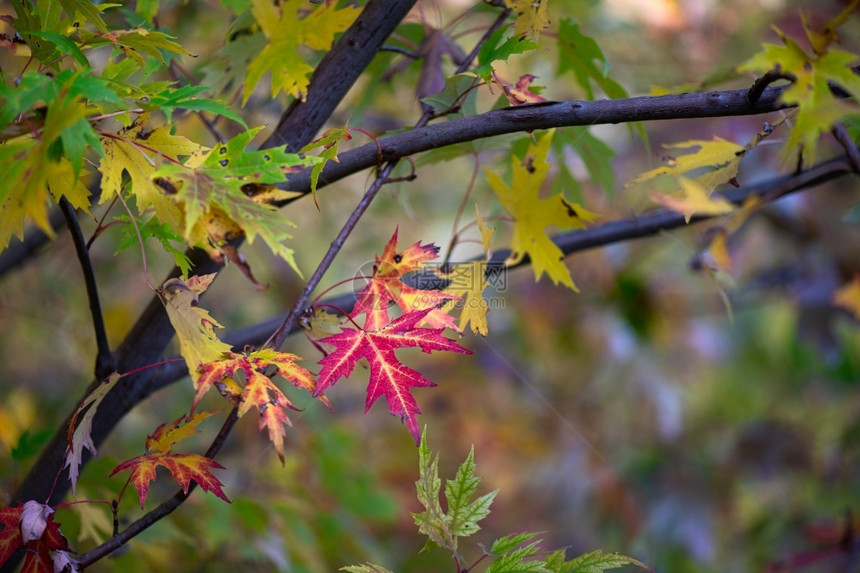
{"points": [[183, 467], [259, 390], [388, 376], [387, 286]]}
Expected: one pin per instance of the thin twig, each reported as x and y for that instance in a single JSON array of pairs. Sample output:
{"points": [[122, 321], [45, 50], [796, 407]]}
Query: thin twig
{"points": [[104, 358], [841, 135], [278, 337], [162, 510]]}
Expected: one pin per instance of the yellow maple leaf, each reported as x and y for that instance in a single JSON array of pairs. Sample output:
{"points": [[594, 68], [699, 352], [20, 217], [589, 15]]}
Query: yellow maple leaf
{"points": [[194, 327], [532, 215], [532, 16], [468, 281], [719, 156], [848, 297], [285, 31], [693, 199], [140, 153]]}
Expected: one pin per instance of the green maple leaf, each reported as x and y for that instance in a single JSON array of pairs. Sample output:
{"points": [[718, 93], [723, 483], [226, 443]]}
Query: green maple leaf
{"points": [[285, 32], [593, 562], [494, 50], [463, 515], [533, 214], [581, 55]]}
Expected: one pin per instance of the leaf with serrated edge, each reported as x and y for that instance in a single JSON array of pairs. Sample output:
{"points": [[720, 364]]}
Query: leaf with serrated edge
{"points": [[387, 286], [78, 435], [463, 515], [388, 376], [533, 214], [593, 562], [183, 467], [194, 327], [285, 32], [259, 390]]}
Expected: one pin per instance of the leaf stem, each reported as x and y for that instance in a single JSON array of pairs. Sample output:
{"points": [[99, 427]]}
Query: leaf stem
{"points": [[104, 358]]}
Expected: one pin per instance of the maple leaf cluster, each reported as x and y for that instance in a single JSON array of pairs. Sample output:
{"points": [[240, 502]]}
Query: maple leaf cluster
{"points": [[183, 467], [31, 525], [377, 341]]}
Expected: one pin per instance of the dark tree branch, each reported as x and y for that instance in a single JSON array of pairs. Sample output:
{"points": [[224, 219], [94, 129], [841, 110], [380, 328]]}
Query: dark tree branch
{"points": [[540, 116], [149, 336], [570, 243], [104, 360], [382, 178], [162, 510]]}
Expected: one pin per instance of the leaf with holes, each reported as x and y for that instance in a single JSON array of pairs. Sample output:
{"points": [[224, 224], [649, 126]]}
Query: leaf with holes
{"points": [[388, 376], [532, 17], [387, 286], [227, 193], [183, 467], [533, 214], [259, 390]]}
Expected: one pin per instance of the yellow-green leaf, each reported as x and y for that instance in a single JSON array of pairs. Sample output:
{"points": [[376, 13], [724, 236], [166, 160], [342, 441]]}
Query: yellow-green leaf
{"points": [[532, 214], [285, 32]]}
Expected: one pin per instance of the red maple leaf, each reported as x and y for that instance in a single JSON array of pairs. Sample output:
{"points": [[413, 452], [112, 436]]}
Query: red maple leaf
{"points": [[387, 286], [259, 389], [44, 533], [183, 467], [388, 376]]}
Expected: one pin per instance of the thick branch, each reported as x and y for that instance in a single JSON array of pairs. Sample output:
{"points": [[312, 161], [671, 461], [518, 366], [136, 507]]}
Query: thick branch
{"points": [[540, 116], [570, 243], [148, 338]]}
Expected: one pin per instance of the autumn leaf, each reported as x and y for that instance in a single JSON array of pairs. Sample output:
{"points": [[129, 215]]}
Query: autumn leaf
{"points": [[31, 525], [531, 15], [259, 391], [386, 286], [812, 76], [183, 467], [717, 157], [467, 281], [78, 435], [388, 376], [519, 94], [194, 327], [533, 214], [227, 192], [286, 32], [848, 297], [139, 152], [693, 199]]}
